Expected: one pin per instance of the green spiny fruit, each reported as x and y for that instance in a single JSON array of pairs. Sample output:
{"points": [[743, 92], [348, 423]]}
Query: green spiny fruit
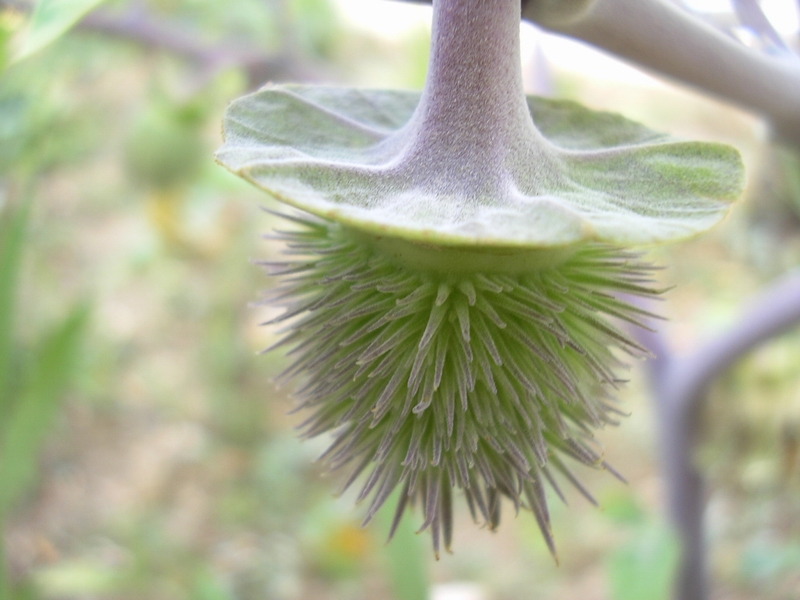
{"points": [[449, 306], [435, 378], [165, 148]]}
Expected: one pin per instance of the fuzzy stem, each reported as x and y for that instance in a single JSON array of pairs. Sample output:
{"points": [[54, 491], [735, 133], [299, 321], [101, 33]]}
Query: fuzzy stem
{"points": [[473, 118], [658, 35], [474, 67]]}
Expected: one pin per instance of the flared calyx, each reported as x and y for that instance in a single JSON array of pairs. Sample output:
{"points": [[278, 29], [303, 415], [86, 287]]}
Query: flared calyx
{"points": [[471, 161], [356, 157], [449, 307]]}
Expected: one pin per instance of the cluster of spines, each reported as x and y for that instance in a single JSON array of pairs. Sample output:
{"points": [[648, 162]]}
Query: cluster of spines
{"points": [[433, 381]]}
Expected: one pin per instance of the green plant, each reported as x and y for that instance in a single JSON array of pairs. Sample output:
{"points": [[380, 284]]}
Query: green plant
{"points": [[30, 390], [51, 19], [256, 41], [448, 307]]}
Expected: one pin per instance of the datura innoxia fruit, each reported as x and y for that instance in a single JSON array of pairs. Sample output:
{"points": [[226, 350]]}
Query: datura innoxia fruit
{"points": [[457, 285]]}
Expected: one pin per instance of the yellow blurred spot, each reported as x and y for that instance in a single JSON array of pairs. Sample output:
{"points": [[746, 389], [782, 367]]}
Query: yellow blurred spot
{"points": [[11, 19], [165, 211], [349, 541]]}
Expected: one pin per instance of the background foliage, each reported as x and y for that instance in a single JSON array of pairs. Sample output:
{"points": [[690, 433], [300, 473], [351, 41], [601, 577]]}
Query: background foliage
{"points": [[145, 453]]}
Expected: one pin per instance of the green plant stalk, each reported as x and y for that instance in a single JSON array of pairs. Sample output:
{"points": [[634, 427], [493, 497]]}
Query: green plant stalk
{"points": [[5, 581], [407, 561], [11, 246], [29, 421], [30, 417]]}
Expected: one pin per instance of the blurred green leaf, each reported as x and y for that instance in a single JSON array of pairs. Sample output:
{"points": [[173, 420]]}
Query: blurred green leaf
{"points": [[208, 586], [75, 578], [315, 26], [644, 569], [6, 33], [51, 19], [29, 421], [5, 583], [790, 162], [12, 238], [764, 559], [41, 125], [21, 590], [407, 556], [165, 147], [622, 508]]}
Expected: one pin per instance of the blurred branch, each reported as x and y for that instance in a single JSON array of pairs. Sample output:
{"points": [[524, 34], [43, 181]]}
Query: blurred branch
{"points": [[752, 16], [137, 25], [686, 378], [680, 385], [657, 35], [660, 36]]}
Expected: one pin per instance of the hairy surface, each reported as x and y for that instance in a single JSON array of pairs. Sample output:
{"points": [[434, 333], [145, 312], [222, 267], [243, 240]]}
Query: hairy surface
{"points": [[433, 381]]}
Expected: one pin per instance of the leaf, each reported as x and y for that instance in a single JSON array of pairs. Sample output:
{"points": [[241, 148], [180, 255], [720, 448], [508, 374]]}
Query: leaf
{"points": [[12, 239], [789, 161], [51, 19], [21, 436], [6, 33], [76, 578], [645, 567], [209, 586], [343, 154], [406, 557]]}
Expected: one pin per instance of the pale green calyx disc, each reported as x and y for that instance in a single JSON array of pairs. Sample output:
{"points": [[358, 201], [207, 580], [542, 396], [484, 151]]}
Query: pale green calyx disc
{"points": [[361, 158]]}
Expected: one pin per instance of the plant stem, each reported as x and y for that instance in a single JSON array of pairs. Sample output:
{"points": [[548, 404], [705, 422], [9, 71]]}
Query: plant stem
{"points": [[685, 490], [658, 35], [474, 69], [5, 580], [679, 386], [473, 119]]}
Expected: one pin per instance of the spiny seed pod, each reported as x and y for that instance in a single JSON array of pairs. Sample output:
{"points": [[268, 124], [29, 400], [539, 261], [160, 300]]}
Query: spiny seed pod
{"points": [[476, 378], [450, 298]]}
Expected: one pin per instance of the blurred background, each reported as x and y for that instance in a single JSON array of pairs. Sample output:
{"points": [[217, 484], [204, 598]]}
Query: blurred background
{"points": [[144, 450]]}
